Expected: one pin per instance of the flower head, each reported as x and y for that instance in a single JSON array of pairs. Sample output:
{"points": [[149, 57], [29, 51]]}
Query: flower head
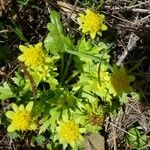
{"points": [[94, 118], [68, 132], [21, 118], [92, 23], [121, 81], [104, 86], [33, 55]]}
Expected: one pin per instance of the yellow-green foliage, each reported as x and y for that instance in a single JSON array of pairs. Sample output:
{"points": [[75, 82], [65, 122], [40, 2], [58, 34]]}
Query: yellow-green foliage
{"points": [[81, 84]]}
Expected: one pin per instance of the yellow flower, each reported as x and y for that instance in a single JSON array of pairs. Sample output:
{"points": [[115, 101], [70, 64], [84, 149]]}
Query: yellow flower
{"points": [[68, 132], [21, 118], [121, 81], [92, 23], [104, 86], [33, 55]]}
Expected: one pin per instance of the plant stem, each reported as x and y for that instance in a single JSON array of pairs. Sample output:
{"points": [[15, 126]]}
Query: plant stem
{"points": [[67, 66], [62, 68], [71, 77], [64, 74]]}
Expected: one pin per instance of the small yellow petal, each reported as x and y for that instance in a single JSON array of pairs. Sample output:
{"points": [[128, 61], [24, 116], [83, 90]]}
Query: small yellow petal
{"points": [[88, 11], [33, 126], [15, 107], [100, 33], [81, 17], [21, 108], [30, 46], [104, 27], [84, 30], [21, 58], [22, 48], [79, 21], [10, 114], [29, 106], [11, 128], [72, 144], [92, 34], [102, 16], [38, 45]]}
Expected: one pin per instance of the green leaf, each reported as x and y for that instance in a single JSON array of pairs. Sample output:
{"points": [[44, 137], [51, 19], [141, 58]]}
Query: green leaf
{"points": [[19, 31], [39, 139], [56, 42], [53, 82], [5, 92], [87, 52], [136, 138], [38, 108], [84, 46], [55, 25], [123, 99], [49, 146], [18, 79], [13, 135], [88, 81], [88, 48], [45, 126], [135, 96], [55, 115]]}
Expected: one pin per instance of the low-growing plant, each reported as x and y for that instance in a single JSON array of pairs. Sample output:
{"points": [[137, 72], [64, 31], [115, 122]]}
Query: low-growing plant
{"points": [[63, 88], [137, 139]]}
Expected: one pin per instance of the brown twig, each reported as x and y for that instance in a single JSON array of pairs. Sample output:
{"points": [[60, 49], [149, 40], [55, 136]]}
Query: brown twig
{"points": [[128, 8], [33, 84], [114, 138], [132, 41]]}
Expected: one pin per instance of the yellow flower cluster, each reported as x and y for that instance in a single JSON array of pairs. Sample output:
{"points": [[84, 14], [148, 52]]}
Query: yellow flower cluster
{"points": [[114, 84], [121, 81], [104, 85], [92, 23], [33, 55], [69, 133], [36, 60], [21, 118]]}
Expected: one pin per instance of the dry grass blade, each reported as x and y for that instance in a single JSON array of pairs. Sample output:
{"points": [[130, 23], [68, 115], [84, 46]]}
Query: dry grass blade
{"points": [[120, 124]]}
